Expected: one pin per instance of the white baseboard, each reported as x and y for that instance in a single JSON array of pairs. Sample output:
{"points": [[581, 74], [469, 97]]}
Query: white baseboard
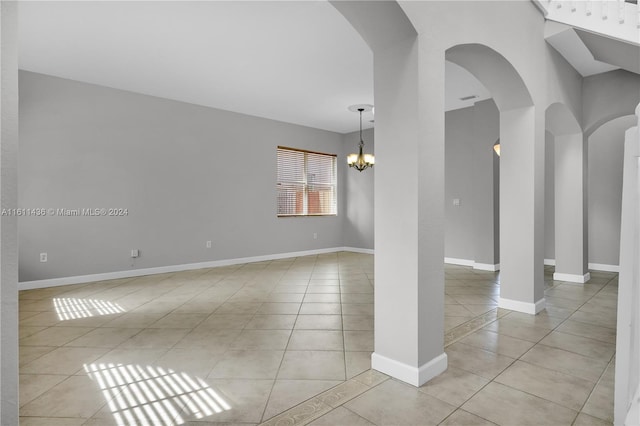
{"points": [[572, 278], [550, 262], [80, 279], [416, 376], [486, 266], [603, 268], [358, 250], [460, 262], [525, 307]]}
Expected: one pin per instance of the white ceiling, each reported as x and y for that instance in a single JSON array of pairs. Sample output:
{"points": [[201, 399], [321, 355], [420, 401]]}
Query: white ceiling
{"points": [[295, 61]]}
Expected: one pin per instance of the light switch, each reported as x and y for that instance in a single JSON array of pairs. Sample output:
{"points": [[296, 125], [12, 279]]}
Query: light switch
{"points": [[456, 202]]}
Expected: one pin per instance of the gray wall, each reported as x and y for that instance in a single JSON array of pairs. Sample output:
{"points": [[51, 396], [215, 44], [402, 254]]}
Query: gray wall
{"points": [[605, 190], [549, 198], [471, 175], [186, 174], [358, 191], [607, 96]]}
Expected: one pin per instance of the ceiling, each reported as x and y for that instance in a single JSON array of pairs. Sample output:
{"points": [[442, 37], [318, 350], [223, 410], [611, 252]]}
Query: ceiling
{"points": [[297, 62]]}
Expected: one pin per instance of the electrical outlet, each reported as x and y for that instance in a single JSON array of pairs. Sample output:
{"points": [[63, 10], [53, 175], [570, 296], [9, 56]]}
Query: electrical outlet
{"points": [[135, 253], [43, 257], [456, 202], [315, 235], [208, 244]]}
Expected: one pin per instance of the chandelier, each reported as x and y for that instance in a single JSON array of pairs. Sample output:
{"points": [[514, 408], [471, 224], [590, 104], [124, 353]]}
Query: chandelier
{"points": [[360, 161]]}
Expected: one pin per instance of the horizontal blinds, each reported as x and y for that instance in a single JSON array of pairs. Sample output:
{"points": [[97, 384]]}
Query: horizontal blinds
{"points": [[307, 183]]}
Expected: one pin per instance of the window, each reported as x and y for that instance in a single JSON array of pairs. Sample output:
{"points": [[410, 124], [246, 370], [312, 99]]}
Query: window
{"points": [[307, 183]]}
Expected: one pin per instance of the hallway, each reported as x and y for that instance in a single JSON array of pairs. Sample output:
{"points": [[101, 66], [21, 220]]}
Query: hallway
{"points": [[289, 342]]}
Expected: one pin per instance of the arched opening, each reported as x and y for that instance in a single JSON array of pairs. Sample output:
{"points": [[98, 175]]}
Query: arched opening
{"points": [[565, 195], [520, 233], [604, 186]]}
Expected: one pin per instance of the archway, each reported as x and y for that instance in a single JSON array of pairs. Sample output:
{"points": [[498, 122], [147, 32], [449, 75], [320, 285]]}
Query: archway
{"points": [[569, 194], [522, 282], [604, 186]]}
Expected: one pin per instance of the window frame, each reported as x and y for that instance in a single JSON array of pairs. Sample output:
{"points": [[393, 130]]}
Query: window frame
{"points": [[305, 183]]}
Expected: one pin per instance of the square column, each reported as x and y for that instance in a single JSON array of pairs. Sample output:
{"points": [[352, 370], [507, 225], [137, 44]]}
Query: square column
{"points": [[409, 212]]}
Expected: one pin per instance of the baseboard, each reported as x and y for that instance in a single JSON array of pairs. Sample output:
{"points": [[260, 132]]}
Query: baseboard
{"points": [[460, 262], [525, 307], [550, 262], [603, 268], [416, 376], [572, 278], [358, 250], [80, 279], [486, 266]]}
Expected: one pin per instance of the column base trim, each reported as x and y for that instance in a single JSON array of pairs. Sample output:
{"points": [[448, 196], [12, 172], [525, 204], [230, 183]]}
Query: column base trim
{"points": [[525, 307], [416, 376], [486, 267], [603, 267], [572, 278]]}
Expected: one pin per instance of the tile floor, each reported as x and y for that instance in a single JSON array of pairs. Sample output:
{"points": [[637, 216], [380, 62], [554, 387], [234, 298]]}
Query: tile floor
{"points": [[289, 342]]}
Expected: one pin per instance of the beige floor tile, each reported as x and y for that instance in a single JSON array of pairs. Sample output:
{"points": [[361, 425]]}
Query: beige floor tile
{"points": [[565, 362], [104, 337], [478, 361], [341, 416], [153, 338], [454, 386], [518, 329], [319, 322], [357, 363], [580, 345], [506, 406], [220, 339], [602, 319], [63, 361], [464, 418], [288, 393], [45, 319], [320, 308], [498, 343], [194, 361], [34, 385], [26, 331], [54, 336], [328, 365], [358, 341], [26, 354], [131, 320], [247, 364], [261, 340], [236, 308], [271, 322], [541, 320], [322, 298], [357, 297], [321, 340], [600, 402], [134, 356], [587, 420], [408, 407], [77, 396], [358, 322], [246, 400], [357, 309], [563, 389], [52, 421], [225, 321], [280, 308], [603, 334], [179, 320], [284, 298]]}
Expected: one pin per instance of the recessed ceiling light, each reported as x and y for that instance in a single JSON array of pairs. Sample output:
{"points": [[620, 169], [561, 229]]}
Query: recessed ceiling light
{"points": [[467, 98]]}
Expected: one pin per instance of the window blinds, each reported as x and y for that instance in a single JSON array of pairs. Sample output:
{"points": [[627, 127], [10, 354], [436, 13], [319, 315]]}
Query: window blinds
{"points": [[307, 183]]}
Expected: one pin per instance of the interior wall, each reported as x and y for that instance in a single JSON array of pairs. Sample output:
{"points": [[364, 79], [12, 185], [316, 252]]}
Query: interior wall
{"points": [[605, 162], [549, 198], [470, 185], [358, 231], [608, 95], [187, 174]]}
